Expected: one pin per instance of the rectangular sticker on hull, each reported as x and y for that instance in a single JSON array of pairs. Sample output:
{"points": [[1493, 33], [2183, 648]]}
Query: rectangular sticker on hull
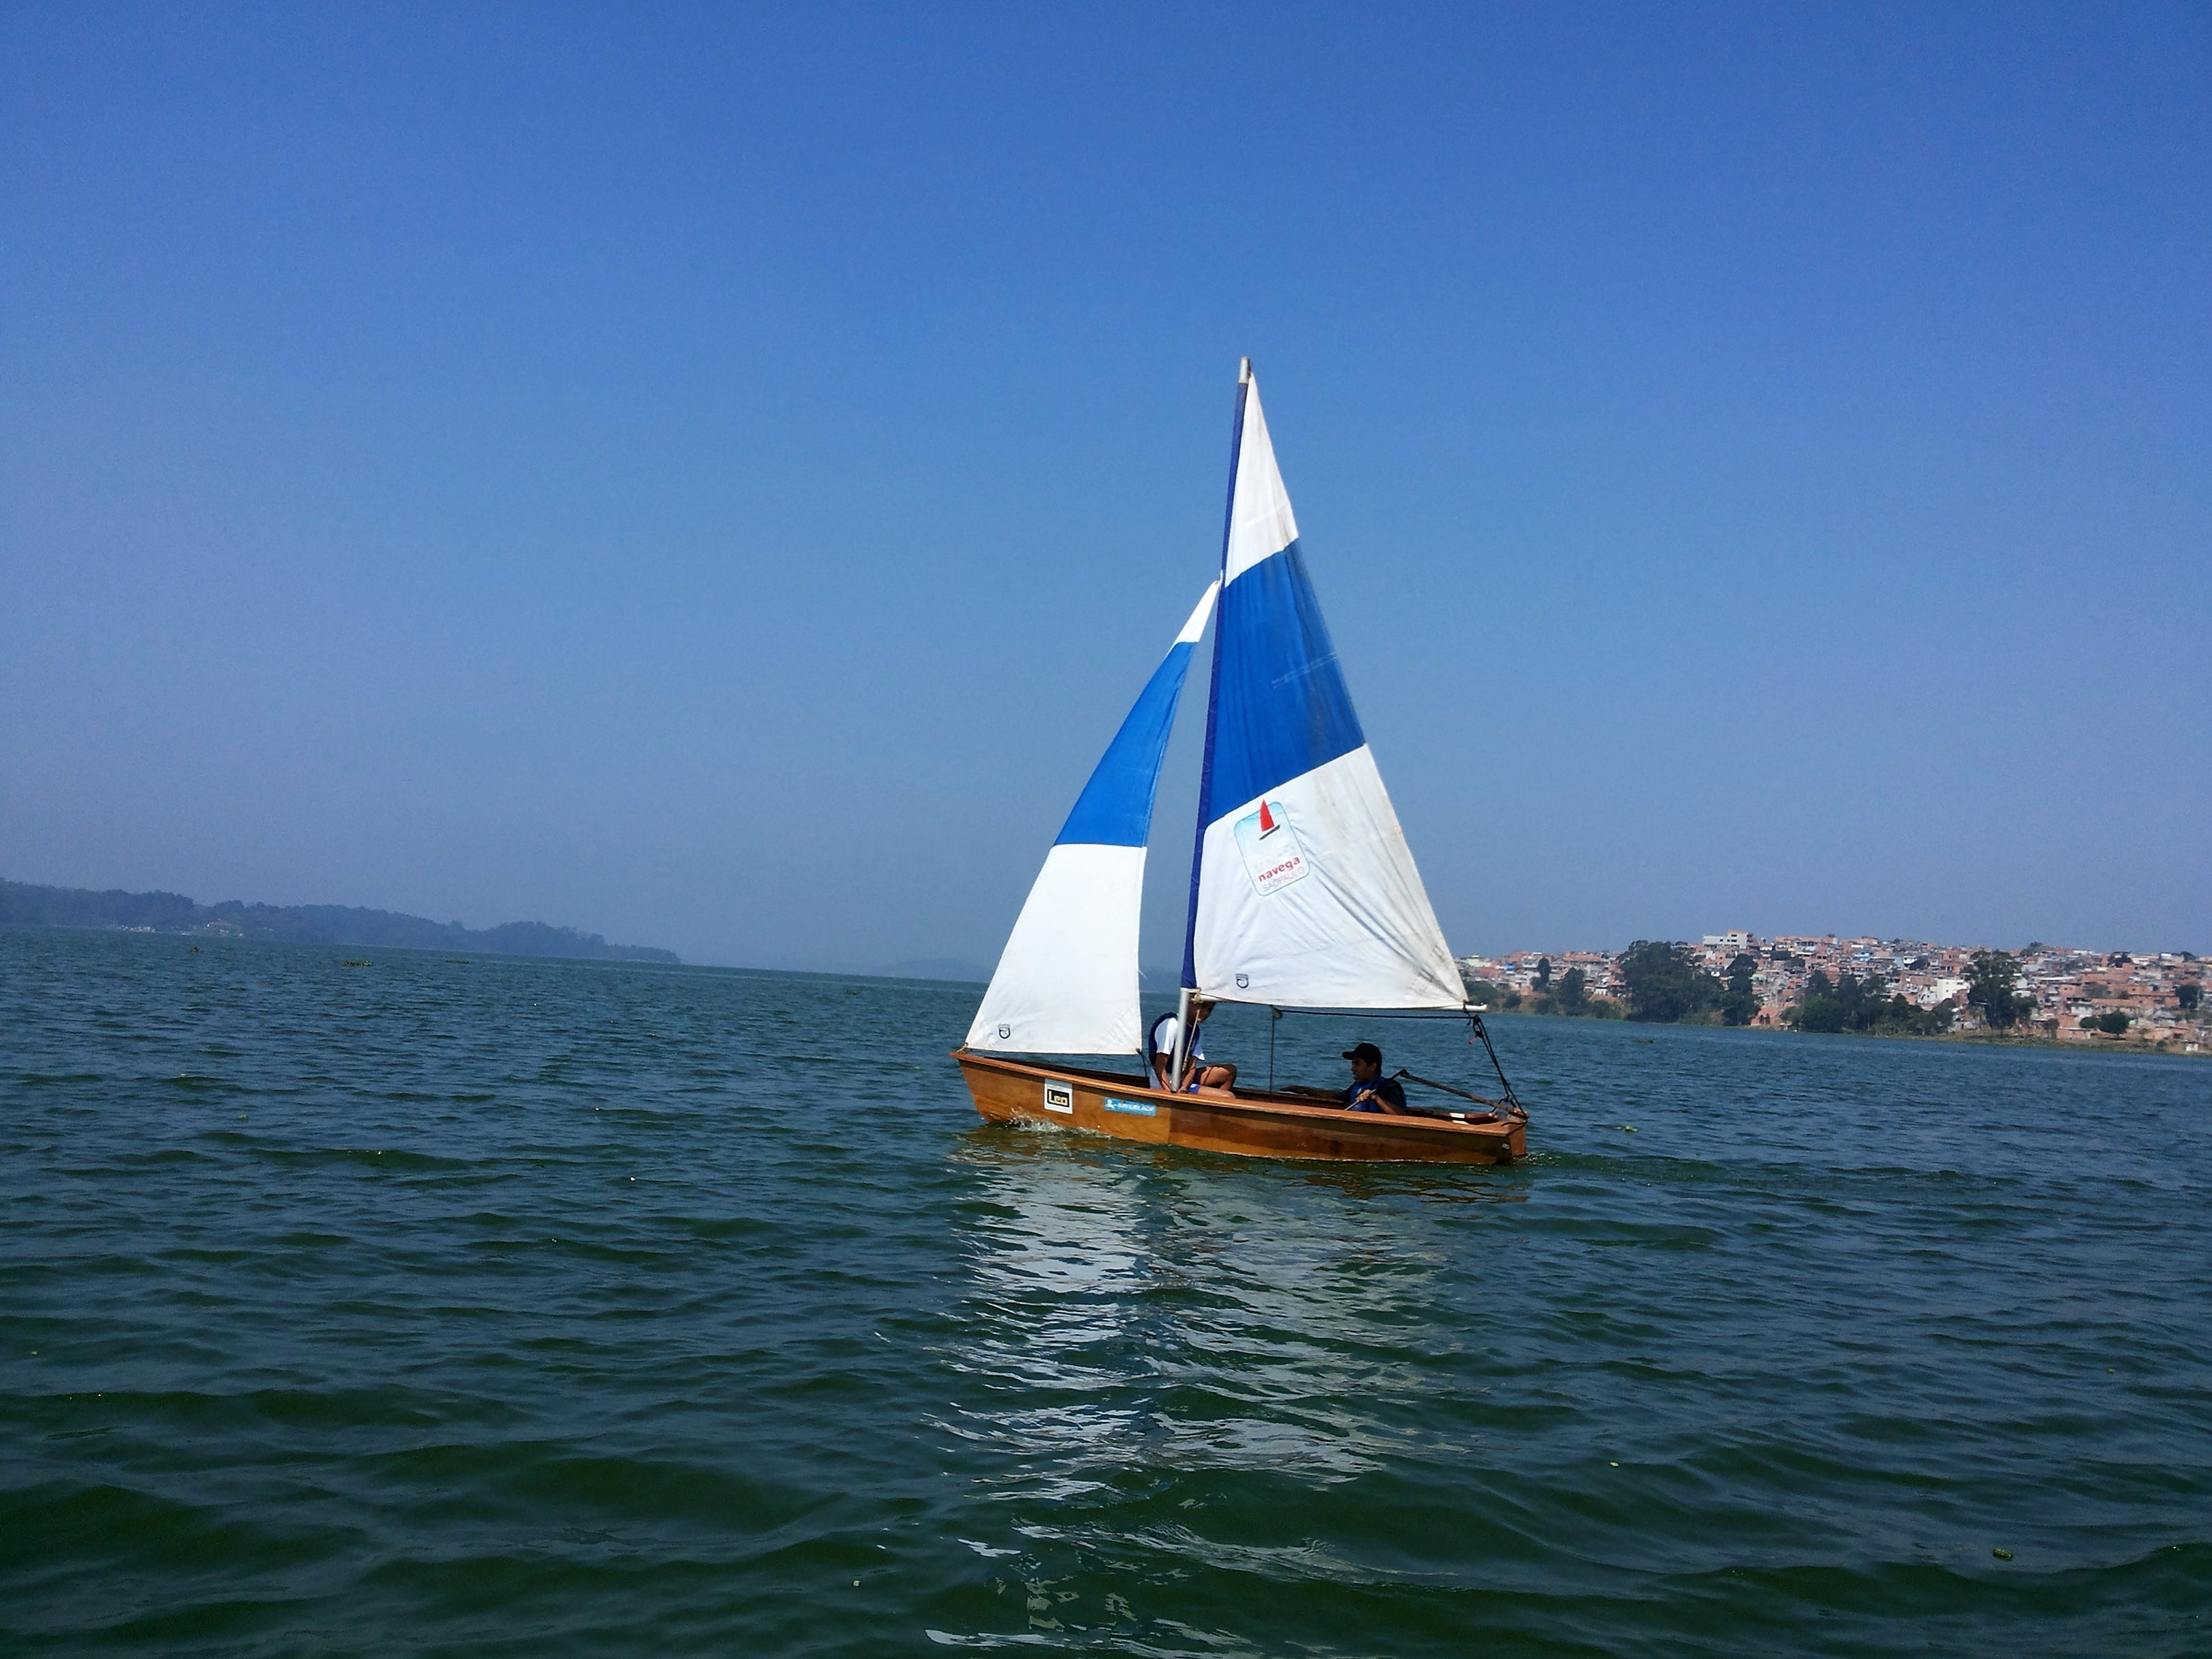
{"points": [[1058, 1098], [1134, 1107]]}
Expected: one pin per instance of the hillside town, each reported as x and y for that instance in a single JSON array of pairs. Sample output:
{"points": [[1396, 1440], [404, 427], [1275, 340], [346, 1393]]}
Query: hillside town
{"points": [[2146, 998]]}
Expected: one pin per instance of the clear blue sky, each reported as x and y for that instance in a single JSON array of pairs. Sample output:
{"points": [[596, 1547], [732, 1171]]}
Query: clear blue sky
{"points": [[718, 479]]}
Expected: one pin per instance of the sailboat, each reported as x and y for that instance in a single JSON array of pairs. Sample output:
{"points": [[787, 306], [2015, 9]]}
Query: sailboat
{"points": [[1303, 896]]}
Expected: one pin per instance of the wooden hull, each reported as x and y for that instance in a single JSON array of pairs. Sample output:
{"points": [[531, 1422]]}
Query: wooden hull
{"points": [[1253, 1125]]}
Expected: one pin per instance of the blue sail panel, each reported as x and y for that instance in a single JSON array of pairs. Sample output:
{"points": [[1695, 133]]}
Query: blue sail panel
{"points": [[1115, 807], [1284, 708]]}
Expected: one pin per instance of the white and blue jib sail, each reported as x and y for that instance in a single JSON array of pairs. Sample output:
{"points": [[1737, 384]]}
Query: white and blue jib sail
{"points": [[1304, 894], [1066, 983]]}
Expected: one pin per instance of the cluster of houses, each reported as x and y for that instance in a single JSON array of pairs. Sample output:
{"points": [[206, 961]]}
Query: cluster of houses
{"points": [[2074, 994]]}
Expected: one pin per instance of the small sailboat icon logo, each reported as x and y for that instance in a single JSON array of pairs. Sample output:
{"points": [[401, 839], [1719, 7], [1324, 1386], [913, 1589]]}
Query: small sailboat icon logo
{"points": [[1273, 856]]}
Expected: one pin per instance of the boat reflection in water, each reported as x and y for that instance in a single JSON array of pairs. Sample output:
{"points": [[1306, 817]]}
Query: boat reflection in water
{"points": [[1182, 1314]]}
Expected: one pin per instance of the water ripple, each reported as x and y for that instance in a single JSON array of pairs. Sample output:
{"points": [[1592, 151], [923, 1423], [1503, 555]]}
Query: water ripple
{"points": [[536, 1308]]}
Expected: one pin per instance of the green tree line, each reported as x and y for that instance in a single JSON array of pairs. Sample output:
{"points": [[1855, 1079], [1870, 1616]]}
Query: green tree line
{"points": [[1848, 1003], [1666, 984], [1568, 994]]}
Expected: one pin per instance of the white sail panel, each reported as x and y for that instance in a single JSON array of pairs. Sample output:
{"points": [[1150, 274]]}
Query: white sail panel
{"points": [[1260, 520], [1066, 983], [1306, 893], [1309, 898]]}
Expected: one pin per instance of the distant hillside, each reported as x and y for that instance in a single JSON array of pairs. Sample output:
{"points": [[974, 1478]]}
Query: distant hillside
{"points": [[937, 968], [25, 906]]}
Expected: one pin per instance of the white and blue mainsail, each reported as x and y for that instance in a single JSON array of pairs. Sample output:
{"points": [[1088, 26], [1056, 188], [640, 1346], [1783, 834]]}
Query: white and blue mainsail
{"points": [[1066, 983], [1304, 892]]}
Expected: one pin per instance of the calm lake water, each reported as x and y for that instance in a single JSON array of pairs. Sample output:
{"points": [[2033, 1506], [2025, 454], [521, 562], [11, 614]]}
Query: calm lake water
{"points": [[512, 1307]]}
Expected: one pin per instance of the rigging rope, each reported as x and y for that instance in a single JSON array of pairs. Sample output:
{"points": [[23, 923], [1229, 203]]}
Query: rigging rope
{"points": [[1477, 1031]]}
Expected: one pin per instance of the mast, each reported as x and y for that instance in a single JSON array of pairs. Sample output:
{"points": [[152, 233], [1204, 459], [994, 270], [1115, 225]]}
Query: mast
{"points": [[1206, 767]]}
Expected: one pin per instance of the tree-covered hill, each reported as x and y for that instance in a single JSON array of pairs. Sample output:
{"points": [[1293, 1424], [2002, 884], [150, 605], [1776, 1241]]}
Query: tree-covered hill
{"points": [[23, 905]]}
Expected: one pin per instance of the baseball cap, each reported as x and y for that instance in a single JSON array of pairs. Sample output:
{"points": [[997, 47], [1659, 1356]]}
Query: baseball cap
{"points": [[1366, 1051]]}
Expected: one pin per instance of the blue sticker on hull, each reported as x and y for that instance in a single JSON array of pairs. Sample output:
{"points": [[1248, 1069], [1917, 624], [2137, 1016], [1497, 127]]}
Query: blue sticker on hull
{"points": [[1134, 1107]]}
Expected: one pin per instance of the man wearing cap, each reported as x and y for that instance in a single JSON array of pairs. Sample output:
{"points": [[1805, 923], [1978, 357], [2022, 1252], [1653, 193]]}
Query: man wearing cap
{"points": [[1371, 1091]]}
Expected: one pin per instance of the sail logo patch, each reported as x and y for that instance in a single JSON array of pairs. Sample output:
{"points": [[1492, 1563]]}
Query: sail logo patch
{"points": [[1273, 856]]}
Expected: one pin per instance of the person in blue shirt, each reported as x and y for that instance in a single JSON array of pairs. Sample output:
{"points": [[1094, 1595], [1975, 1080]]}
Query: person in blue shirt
{"points": [[1371, 1091]]}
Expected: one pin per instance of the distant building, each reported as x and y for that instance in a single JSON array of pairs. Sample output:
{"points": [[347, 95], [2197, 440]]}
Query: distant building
{"points": [[2064, 986]]}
